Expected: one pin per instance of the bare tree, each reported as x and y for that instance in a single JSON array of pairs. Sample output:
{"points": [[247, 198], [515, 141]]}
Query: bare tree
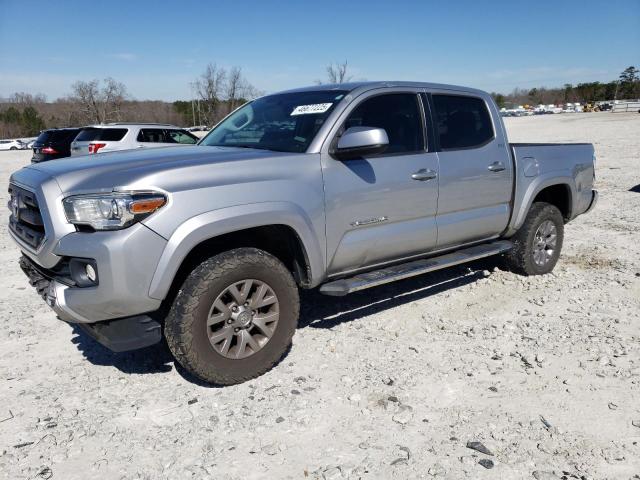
{"points": [[210, 87], [337, 73], [26, 99], [239, 90], [220, 91], [99, 105], [235, 85], [113, 94]]}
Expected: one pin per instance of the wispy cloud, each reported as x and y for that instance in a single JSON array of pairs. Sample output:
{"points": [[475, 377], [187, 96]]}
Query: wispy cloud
{"points": [[126, 56]]}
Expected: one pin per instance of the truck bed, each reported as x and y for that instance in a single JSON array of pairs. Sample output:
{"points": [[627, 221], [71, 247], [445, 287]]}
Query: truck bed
{"points": [[539, 164]]}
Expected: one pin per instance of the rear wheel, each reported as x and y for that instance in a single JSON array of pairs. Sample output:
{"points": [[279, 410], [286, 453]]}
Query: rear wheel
{"points": [[234, 316], [538, 242]]}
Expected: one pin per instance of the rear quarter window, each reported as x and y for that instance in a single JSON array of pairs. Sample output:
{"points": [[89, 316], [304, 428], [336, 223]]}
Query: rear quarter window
{"points": [[105, 134], [112, 134], [86, 134], [462, 122]]}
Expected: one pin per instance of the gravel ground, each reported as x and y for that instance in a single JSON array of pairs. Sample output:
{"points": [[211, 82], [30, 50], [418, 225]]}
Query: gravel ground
{"points": [[388, 383]]}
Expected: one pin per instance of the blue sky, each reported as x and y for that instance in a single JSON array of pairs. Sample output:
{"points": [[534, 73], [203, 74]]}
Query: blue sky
{"points": [[157, 47]]}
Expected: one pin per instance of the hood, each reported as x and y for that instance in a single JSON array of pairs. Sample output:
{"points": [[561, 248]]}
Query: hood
{"points": [[154, 167]]}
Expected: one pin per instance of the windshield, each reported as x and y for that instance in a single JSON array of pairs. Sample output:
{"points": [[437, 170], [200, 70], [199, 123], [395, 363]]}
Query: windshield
{"points": [[286, 122]]}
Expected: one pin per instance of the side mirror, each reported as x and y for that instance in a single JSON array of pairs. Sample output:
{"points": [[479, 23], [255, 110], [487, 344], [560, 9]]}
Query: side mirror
{"points": [[360, 141]]}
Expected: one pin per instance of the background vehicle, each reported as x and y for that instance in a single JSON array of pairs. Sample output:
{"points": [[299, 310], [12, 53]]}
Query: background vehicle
{"points": [[340, 187], [11, 145], [126, 136], [52, 144]]}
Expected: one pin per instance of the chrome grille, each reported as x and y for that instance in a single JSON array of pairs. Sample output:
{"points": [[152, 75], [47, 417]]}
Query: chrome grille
{"points": [[25, 220]]}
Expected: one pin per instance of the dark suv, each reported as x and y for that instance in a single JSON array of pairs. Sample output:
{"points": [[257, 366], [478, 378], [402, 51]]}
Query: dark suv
{"points": [[54, 143]]}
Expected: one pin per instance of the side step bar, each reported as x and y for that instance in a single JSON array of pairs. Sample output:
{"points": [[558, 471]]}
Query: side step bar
{"points": [[344, 286]]}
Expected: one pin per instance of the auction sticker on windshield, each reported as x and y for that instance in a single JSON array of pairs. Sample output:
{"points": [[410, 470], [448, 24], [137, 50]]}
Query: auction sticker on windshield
{"points": [[315, 108]]}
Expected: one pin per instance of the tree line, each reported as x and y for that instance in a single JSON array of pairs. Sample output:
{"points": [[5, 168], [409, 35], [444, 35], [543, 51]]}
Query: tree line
{"points": [[626, 87], [218, 91]]}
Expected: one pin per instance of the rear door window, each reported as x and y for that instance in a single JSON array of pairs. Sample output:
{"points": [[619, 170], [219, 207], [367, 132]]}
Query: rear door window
{"points": [[180, 136], [399, 115], [151, 135], [462, 122]]}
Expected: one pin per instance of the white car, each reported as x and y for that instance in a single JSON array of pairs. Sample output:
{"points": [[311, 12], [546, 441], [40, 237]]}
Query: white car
{"points": [[11, 145], [126, 136]]}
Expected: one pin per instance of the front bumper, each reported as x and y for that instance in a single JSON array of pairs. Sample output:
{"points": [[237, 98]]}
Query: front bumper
{"points": [[118, 335], [126, 261]]}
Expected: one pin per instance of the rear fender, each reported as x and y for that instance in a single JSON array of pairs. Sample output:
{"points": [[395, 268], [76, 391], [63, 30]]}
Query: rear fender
{"points": [[527, 188]]}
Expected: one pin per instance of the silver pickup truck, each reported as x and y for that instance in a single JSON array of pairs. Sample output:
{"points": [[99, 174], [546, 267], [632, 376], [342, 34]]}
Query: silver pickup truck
{"points": [[336, 187]]}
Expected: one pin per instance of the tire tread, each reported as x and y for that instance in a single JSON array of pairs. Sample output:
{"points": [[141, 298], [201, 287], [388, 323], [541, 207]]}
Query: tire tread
{"points": [[179, 322], [518, 259]]}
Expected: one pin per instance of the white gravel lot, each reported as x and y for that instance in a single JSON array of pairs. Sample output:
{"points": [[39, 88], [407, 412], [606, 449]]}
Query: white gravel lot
{"points": [[387, 383]]}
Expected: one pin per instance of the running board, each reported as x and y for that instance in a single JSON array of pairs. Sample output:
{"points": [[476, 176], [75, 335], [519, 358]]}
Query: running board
{"points": [[344, 286]]}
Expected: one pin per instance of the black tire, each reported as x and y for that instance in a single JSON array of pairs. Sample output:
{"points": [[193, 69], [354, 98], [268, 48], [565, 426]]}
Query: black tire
{"points": [[186, 324], [521, 258], [13, 148]]}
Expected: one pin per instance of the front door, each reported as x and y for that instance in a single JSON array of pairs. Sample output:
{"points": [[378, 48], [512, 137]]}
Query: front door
{"points": [[381, 208]]}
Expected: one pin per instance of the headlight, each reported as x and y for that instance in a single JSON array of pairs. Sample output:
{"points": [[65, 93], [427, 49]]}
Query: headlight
{"points": [[112, 211]]}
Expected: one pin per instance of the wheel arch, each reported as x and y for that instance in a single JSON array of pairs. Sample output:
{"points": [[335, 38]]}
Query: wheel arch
{"points": [[280, 229], [556, 190]]}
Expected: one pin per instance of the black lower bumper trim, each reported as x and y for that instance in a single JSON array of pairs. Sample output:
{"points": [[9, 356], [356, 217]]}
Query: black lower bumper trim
{"points": [[125, 334]]}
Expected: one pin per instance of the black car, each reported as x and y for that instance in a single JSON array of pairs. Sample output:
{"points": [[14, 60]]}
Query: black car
{"points": [[54, 143]]}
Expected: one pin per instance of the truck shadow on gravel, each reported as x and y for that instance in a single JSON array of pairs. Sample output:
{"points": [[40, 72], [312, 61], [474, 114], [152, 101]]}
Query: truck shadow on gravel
{"points": [[317, 311], [321, 311], [153, 359]]}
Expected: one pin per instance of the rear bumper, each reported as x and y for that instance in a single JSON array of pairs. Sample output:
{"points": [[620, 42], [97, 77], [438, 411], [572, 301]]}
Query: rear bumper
{"points": [[594, 201]]}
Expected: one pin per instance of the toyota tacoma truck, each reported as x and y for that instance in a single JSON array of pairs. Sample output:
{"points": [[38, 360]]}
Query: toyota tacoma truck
{"points": [[335, 187]]}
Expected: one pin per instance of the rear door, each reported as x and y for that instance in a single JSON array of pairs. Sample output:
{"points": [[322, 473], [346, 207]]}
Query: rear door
{"points": [[376, 212], [476, 173]]}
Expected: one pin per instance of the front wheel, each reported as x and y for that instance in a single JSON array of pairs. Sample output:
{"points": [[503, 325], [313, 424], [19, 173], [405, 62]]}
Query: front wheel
{"points": [[234, 316], [537, 244]]}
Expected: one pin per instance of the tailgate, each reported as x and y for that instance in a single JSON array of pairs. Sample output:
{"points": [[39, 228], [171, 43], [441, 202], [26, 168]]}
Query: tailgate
{"points": [[79, 148]]}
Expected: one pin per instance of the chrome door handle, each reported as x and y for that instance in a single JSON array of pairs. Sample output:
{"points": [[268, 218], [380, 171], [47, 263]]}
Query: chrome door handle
{"points": [[424, 174], [496, 167]]}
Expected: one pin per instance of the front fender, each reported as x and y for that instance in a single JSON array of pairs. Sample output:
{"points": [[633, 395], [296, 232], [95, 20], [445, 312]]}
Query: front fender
{"points": [[226, 220], [528, 188]]}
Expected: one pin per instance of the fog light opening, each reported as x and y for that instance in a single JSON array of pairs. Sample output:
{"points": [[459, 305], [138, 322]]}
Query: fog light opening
{"points": [[84, 272]]}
